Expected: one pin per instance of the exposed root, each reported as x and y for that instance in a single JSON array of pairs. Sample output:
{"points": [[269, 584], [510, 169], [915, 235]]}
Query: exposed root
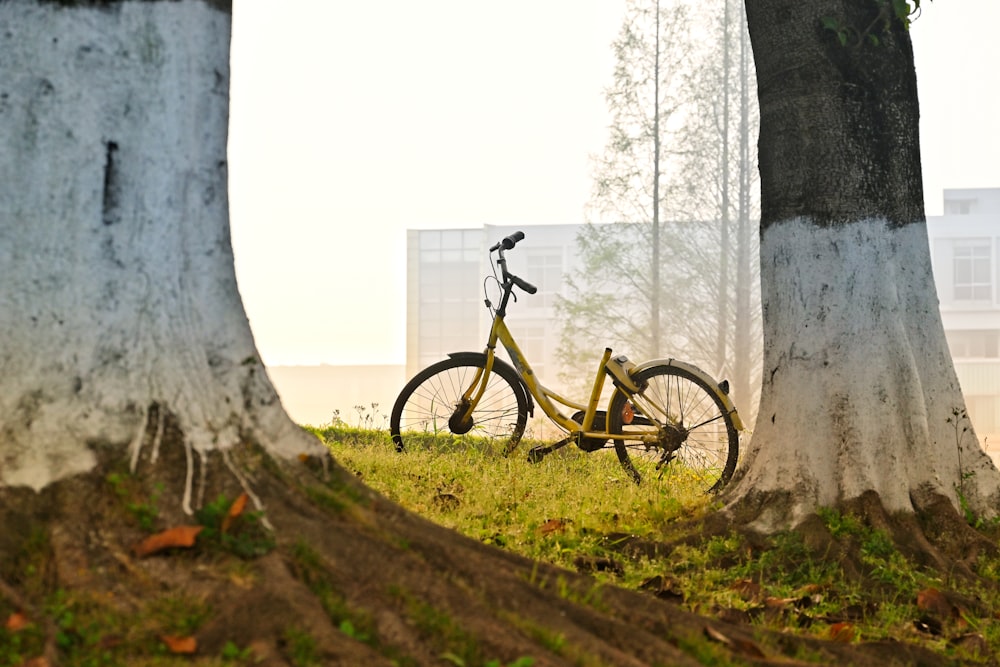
{"points": [[254, 498], [161, 420], [135, 447], [189, 478]]}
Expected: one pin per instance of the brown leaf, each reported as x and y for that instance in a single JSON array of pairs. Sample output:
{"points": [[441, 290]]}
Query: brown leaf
{"points": [[553, 526], [178, 536], [40, 661], [234, 511], [16, 622], [934, 601], [180, 645], [747, 589], [843, 632], [780, 603]]}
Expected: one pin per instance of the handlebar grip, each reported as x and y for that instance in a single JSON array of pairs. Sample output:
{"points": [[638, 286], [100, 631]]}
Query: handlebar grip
{"points": [[524, 284], [509, 242]]}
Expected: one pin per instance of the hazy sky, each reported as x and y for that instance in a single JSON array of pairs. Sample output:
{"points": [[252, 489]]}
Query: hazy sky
{"points": [[352, 122]]}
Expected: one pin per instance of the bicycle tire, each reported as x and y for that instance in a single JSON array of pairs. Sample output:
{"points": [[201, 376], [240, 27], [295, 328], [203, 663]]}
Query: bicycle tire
{"points": [[423, 410], [702, 435]]}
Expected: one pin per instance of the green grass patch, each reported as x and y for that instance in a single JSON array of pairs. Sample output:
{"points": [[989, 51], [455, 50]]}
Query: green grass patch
{"points": [[574, 506]]}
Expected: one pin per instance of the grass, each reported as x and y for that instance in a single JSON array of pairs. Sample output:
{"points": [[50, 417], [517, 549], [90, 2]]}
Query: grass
{"points": [[574, 505]]}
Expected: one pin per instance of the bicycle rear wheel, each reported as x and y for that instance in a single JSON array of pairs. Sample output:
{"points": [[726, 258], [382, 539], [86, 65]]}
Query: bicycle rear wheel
{"points": [[423, 413], [697, 444]]}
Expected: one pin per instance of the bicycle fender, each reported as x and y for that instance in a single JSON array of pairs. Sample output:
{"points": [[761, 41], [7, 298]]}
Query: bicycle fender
{"points": [[497, 361], [701, 375]]}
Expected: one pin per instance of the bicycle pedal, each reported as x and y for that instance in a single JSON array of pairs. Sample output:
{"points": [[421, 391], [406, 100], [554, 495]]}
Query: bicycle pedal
{"points": [[536, 454]]}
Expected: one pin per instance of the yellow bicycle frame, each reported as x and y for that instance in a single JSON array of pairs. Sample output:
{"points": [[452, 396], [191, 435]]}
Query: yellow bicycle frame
{"points": [[543, 396]]}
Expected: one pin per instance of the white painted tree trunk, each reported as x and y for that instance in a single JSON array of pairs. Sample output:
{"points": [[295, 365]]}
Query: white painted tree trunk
{"points": [[118, 290], [859, 394], [859, 391]]}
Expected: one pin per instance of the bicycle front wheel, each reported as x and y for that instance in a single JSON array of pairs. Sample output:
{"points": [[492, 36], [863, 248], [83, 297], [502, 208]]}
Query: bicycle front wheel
{"points": [[424, 414], [696, 444]]}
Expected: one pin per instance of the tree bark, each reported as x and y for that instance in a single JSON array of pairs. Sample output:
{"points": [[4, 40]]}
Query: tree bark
{"points": [[119, 299], [859, 393]]}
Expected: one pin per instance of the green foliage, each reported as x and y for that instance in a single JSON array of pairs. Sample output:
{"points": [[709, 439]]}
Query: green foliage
{"points": [[232, 653], [178, 614], [16, 648], [127, 488], [246, 536], [848, 34], [300, 648]]}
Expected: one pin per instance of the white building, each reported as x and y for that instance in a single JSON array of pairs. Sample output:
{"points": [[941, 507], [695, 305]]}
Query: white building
{"points": [[445, 310], [965, 249]]}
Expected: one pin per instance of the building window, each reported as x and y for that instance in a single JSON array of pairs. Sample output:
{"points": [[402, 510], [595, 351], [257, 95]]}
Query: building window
{"points": [[531, 340], [448, 298], [983, 344], [971, 265], [544, 271], [959, 206]]}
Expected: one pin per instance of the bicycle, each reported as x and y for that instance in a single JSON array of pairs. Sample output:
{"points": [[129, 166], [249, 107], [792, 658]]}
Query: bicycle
{"points": [[663, 414]]}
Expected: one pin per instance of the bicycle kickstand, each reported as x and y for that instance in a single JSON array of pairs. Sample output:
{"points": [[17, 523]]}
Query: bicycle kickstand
{"points": [[539, 452]]}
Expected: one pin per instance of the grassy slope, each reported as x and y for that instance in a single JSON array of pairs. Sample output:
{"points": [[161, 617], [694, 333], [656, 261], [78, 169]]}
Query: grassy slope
{"points": [[578, 511]]}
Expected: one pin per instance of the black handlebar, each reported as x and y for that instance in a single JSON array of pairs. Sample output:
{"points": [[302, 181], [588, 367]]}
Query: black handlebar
{"points": [[523, 284], [508, 242]]}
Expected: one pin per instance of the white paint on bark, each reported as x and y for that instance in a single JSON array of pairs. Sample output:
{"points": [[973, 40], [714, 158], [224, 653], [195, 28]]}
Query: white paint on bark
{"points": [[858, 389], [118, 290]]}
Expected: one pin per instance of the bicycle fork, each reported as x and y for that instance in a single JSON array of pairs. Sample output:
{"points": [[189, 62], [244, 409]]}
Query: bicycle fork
{"points": [[460, 421]]}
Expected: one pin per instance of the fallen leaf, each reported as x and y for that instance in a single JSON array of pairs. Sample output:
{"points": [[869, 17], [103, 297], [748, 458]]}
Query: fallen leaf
{"points": [[234, 511], [180, 645], [553, 526], [934, 601], [843, 632], [747, 589], [179, 536], [40, 661], [16, 622], [780, 603]]}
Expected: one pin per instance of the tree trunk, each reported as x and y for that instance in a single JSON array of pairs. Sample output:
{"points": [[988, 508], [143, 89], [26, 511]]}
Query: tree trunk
{"points": [[859, 392], [119, 299]]}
